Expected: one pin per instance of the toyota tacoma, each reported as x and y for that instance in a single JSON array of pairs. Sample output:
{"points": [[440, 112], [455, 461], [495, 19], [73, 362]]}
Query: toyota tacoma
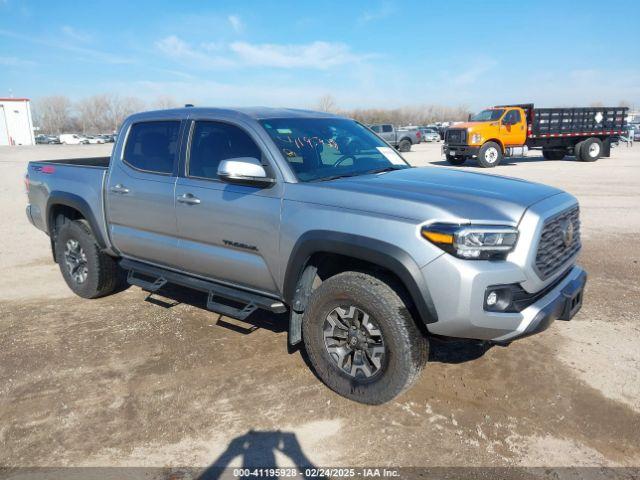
{"points": [[313, 214]]}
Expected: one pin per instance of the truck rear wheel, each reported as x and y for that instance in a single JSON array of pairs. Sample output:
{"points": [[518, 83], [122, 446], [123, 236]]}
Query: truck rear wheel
{"points": [[577, 150], [404, 145], [591, 149], [454, 160], [361, 339], [89, 273], [490, 155]]}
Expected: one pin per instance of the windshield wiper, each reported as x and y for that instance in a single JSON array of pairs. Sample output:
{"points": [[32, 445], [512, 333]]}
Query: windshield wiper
{"points": [[385, 169], [355, 174], [335, 177]]}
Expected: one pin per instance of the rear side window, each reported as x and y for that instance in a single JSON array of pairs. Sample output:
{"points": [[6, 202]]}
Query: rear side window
{"points": [[153, 146], [213, 142], [387, 129]]}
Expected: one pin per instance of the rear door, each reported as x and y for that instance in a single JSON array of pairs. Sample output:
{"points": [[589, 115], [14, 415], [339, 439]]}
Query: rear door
{"points": [[227, 232], [388, 134], [140, 193], [513, 128]]}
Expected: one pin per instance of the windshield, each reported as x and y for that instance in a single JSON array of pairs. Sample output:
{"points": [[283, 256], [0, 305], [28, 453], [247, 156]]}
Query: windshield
{"points": [[327, 148], [488, 115]]}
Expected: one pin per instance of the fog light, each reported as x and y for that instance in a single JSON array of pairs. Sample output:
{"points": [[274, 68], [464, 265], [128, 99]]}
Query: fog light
{"points": [[497, 298], [492, 299]]}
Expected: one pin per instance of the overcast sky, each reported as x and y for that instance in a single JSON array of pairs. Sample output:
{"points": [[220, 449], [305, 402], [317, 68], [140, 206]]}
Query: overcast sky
{"points": [[289, 53]]}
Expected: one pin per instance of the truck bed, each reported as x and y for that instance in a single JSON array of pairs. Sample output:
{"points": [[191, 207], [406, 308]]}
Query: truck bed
{"points": [[76, 182], [577, 121], [102, 162]]}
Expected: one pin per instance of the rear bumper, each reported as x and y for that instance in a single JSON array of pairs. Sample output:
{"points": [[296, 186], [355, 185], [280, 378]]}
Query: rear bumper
{"points": [[460, 150], [29, 216]]}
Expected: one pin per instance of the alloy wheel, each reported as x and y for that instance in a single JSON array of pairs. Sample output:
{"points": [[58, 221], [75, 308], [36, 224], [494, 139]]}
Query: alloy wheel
{"points": [[75, 260], [354, 342]]}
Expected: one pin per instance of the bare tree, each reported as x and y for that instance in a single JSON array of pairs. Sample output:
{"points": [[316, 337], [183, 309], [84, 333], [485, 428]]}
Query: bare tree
{"points": [[92, 114], [327, 103], [165, 101], [412, 115], [119, 108], [53, 114]]}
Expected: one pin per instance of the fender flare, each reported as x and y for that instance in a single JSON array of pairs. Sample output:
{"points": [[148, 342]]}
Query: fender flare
{"points": [[386, 255], [78, 203], [495, 140]]}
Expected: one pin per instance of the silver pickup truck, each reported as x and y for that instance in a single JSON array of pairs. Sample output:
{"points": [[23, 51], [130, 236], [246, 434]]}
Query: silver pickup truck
{"points": [[400, 138], [311, 213]]}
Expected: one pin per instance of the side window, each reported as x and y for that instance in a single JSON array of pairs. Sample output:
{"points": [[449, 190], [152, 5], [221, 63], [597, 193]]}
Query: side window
{"points": [[387, 129], [153, 146], [512, 117], [375, 128], [213, 142]]}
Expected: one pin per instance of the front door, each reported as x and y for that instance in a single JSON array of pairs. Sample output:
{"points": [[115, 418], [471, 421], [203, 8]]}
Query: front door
{"points": [[513, 131], [140, 193], [227, 232]]}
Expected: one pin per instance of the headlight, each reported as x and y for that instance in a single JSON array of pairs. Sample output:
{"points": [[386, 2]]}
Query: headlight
{"points": [[477, 242], [476, 138]]}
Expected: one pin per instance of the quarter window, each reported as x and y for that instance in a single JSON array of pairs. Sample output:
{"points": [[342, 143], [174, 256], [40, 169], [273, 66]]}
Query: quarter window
{"points": [[153, 146], [213, 142]]}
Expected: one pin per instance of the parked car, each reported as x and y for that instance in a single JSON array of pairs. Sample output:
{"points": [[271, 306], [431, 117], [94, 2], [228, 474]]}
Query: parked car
{"points": [[430, 135], [398, 138], [314, 214], [95, 140], [47, 139], [108, 138], [73, 139], [509, 130]]}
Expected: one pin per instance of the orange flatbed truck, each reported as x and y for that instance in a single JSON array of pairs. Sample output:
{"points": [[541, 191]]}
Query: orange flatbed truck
{"points": [[510, 130]]}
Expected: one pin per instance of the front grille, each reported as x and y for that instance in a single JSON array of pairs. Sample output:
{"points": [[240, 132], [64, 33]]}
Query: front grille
{"points": [[455, 136], [559, 241]]}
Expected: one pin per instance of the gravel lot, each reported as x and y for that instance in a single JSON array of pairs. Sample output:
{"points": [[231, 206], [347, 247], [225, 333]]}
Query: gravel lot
{"points": [[121, 381]]}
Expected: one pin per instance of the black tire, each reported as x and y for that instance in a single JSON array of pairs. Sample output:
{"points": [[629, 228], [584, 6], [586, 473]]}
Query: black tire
{"points": [[103, 276], [404, 145], [577, 150], [405, 347], [553, 154], [490, 155], [456, 160], [591, 149]]}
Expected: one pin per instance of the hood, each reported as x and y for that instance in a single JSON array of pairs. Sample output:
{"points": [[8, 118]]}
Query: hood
{"points": [[429, 193]]}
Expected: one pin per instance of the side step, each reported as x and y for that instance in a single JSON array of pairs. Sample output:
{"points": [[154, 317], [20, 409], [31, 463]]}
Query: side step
{"points": [[239, 303]]}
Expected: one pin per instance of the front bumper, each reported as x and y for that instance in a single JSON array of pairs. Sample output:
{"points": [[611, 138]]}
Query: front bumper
{"points": [[458, 289], [460, 150]]}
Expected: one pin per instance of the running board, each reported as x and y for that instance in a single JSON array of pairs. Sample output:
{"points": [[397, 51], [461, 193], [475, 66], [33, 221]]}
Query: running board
{"points": [[239, 303]]}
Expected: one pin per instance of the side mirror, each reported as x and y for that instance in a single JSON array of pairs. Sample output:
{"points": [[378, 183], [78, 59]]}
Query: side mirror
{"points": [[244, 171]]}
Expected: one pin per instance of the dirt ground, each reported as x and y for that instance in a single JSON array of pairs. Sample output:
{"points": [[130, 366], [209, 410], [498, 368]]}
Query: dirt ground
{"points": [[133, 380]]}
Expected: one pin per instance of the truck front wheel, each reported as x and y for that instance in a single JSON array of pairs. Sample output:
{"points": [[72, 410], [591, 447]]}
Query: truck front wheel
{"points": [[404, 145], [591, 150], [89, 273], [361, 339], [490, 155]]}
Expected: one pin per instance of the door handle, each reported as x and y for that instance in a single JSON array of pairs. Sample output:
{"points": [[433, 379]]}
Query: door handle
{"points": [[119, 188], [189, 199]]}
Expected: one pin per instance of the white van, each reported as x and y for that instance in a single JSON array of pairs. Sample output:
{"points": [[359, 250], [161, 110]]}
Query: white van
{"points": [[72, 139]]}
